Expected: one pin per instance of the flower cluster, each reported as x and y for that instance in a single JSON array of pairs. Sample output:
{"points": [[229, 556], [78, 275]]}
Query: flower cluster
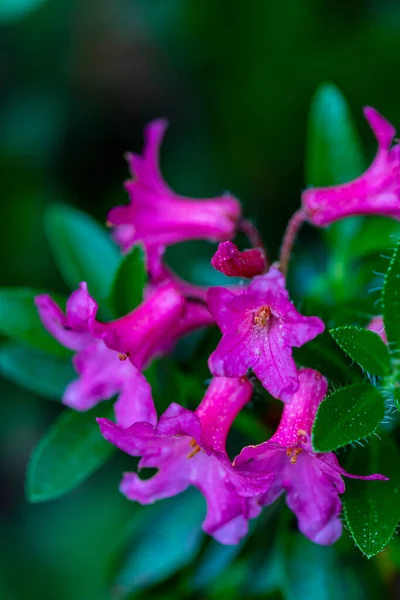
{"points": [[259, 327]]}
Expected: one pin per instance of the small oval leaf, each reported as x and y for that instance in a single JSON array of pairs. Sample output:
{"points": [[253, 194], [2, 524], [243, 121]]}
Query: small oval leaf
{"points": [[347, 415], [71, 450], [129, 282], [365, 347], [36, 371], [19, 320], [372, 508], [82, 249], [391, 299]]}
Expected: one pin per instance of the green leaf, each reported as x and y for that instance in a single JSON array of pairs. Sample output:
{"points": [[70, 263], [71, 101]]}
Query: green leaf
{"points": [[82, 249], [213, 562], [377, 235], [167, 537], [365, 347], [71, 450], [129, 282], [19, 320], [311, 571], [334, 153], [333, 156], [372, 508], [325, 356], [36, 371], [12, 10], [391, 299], [347, 415]]}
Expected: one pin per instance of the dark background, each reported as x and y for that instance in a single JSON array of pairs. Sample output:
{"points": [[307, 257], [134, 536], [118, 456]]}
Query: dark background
{"points": [[79, 79]]}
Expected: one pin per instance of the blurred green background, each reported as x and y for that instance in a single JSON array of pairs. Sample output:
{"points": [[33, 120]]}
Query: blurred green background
{"points": [[79, 79]]}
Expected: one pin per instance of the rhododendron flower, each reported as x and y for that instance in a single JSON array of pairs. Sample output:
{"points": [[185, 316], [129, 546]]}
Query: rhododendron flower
{"points": [[102, 371], [230, 260], [376, 324], [312, 481], [188, 448], [159, 217], [259, 328], [377, 191]]}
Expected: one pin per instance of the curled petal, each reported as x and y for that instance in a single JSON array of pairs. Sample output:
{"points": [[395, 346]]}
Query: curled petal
{"points": [[232, 262]]}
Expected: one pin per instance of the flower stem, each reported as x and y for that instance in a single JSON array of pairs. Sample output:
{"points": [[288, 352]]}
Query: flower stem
{"points": [[289, 239]]}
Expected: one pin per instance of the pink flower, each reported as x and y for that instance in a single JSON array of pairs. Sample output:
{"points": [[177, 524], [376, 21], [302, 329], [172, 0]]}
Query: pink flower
{"points": [[376, 324], [259, 327], [188, 448], [312, 482], [377, 191], [230, 260], [159, 217], [102, 371]]}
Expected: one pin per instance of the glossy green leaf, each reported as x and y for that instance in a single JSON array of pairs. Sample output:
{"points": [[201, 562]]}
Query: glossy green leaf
{"points": [[167, 536], [347, 415], [365, 347], [82, 249], [19, 320], [372, 508], [70, 451], [391, 299], [129, 282], [38, 372]]}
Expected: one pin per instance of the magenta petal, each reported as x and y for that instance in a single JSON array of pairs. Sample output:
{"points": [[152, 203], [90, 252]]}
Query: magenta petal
{"points": [[133, 440], [169, 481], [332, 463], [376, 191], [101, 375], [177, 420], [57, 324], [135, 402], [259, 327], [383, 130], [158, 216], [81, 309], [377, 325], [232, 262], [313, 497]]}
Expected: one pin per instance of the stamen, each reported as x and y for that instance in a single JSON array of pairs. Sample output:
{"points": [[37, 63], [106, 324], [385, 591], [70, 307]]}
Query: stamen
{"points": [[289, 452], [301, 433], [262, 316], [196, 448], [296, 453], [123, 357]]}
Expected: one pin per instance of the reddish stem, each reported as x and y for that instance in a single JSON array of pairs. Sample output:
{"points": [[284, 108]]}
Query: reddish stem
{"points": [[252, 233], [289, 239]]}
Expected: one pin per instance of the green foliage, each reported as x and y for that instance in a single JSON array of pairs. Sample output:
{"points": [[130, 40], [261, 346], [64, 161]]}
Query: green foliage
{"points": [[129, 282], [165, 538], [19, 320], [324, 355], [311, 571], [11, 10], [334, 154], [391, 300], [71, 450], [372, 508], [82, 249], [347, 415], [365, 347], [36, 371]]}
